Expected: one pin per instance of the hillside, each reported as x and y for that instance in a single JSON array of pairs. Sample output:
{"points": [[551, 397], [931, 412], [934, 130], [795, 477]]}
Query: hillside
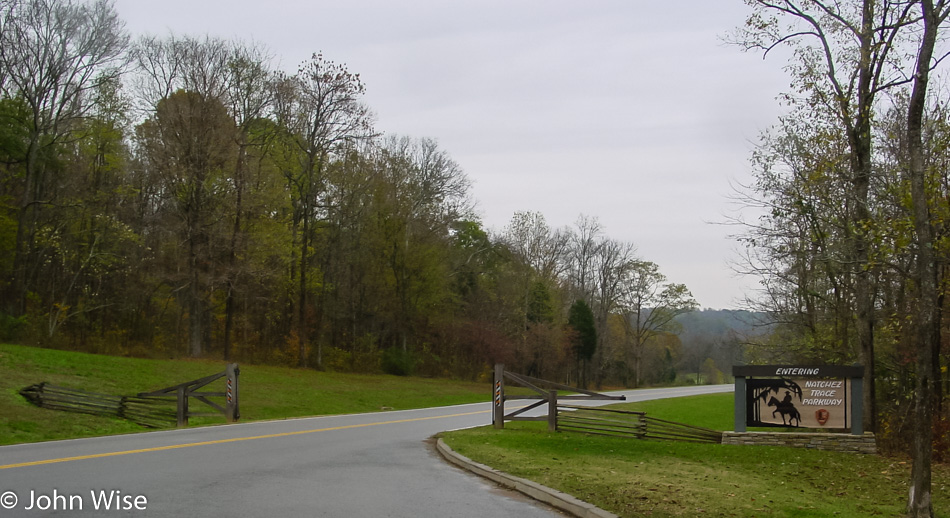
{"points": [[713, 340], [266, 392]]}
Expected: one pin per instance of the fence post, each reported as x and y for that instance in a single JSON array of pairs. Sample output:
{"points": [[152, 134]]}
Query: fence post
{"points": [[232, 410], [182, 407], [740, 400], [498, 397], [552, 411]]}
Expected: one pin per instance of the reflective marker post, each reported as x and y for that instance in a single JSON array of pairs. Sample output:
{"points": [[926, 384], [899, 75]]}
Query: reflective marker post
{"points": [[232, 411], [498, 397]]}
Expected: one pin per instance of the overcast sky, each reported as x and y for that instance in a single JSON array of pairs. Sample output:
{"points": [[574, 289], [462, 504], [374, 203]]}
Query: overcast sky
{"points": [[629, 111]]}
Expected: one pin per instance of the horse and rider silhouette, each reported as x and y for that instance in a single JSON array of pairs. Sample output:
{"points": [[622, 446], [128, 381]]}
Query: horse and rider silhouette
{"points": [[787, 409]]}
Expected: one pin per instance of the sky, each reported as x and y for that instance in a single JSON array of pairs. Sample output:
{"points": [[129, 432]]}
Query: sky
{"points": [[632, 112]]}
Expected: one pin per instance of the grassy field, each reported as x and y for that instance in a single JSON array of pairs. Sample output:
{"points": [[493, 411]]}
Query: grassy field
{"points": [[266, 392], [655, 478]]}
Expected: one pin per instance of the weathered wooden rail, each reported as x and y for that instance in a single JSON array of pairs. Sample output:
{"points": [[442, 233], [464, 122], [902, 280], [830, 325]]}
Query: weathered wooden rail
{"points": [[189, 389], [148, 412], [545, 392], [155, 409], [632, 424]]}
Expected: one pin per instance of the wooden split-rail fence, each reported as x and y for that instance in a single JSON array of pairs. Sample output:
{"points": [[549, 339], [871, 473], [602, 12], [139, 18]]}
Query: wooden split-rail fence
{"points": [[626, 423], [585, 419], [545, 392], [156, 409]]}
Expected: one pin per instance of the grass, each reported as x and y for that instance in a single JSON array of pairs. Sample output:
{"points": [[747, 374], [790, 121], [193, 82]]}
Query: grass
{"points": [[266, 392], [656, 478], [713, 411]]}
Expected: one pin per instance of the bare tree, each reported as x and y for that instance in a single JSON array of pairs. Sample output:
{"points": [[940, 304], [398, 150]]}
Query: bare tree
{"points": [[423, 192], [649, 307], [612, 267], [186, 146], [536, 245], [53, 53], [583, 250], [320, 108], [249, 96], [188, 141]]}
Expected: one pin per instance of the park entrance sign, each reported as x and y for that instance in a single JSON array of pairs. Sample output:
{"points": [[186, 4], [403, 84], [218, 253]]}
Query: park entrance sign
{"points": [[825, 397]]}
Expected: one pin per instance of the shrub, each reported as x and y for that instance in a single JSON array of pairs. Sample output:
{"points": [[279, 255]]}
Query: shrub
{"points": [[11, 327], [337, 360], [397, 362]]}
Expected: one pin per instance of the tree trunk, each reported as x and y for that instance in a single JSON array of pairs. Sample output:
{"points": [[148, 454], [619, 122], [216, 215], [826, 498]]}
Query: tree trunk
{"points": [[232, 253], [926, 334], [927, 341], [863, 281], [195, 310], [26, 229], [861, 165], [302, 337]]}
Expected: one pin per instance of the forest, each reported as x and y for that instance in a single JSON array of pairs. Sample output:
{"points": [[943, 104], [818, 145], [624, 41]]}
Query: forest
{"points": [[180, 196]]}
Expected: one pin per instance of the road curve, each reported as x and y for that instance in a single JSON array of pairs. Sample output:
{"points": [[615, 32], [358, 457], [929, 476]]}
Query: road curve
{"points": [[366, 465]]}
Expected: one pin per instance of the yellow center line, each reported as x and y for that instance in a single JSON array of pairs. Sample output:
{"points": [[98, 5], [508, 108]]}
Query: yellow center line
{"points": [[223, 441]]}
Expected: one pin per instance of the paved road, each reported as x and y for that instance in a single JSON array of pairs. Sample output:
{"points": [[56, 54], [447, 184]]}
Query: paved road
{"points": [[368, 465]]}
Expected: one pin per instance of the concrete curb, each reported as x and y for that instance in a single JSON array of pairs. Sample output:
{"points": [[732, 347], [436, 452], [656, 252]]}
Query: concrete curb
{"points": [[556, 499]]}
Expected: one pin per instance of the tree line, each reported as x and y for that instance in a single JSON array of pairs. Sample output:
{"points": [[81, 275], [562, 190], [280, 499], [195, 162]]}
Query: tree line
{"points": [[851, 187], [180, 196]]}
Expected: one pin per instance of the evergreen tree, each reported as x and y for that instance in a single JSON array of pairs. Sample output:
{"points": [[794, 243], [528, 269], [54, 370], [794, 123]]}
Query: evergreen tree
{"points": [[581, 321]]}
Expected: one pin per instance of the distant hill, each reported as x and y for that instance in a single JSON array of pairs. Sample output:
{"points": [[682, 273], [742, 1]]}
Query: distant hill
{"points": [[718, 335], [721, 322]]}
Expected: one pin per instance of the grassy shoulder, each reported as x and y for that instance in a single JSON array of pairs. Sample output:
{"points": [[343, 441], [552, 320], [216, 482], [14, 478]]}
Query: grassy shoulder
{"points": [[266, 392], [656, 478]]}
